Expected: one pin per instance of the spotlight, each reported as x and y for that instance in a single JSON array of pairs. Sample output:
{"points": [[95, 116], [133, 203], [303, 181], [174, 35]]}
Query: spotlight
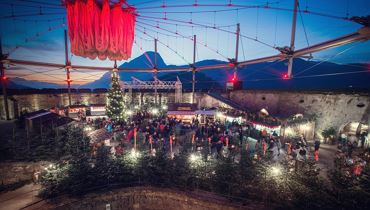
{"points": [[275, 171], [194, 158]]}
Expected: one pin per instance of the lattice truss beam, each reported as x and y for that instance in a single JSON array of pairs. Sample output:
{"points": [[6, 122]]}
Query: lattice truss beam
{"points": [[151, 85], [155, 85]]}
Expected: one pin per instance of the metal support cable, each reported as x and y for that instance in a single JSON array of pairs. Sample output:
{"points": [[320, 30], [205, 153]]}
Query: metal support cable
{"points": [[175, 51], [304, 27], [325, 60], [187, 37]]}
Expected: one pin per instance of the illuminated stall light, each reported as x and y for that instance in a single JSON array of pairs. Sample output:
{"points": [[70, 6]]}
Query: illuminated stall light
{"points": [[269, 129]]}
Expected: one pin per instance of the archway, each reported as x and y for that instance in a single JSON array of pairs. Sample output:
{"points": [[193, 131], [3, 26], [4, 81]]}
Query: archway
{"points": [[353, 128], [357, 129]]}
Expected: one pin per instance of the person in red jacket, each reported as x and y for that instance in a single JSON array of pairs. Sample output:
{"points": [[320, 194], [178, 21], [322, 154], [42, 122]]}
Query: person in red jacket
{"points": [[316, 154], [357, 168], [289, 149], [130, 135], [264, 144]]}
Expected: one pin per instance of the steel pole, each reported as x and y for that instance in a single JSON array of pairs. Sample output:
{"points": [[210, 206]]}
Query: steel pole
{"points": [[236, 49], [155, 72], [67, 67], [292, 38], [193, 81], [3, 83]]}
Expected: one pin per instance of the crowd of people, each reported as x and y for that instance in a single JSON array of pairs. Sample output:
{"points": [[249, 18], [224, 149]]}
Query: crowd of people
{"points": [[351, 156], [148, 132], [145, 131]]}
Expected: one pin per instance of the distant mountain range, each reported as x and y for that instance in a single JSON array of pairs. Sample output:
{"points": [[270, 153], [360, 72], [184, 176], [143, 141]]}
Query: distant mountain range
{"points": [[308, 75], [35, 84]]}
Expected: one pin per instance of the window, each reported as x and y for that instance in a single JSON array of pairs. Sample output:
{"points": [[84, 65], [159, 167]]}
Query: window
{"points": [[360, 105]]}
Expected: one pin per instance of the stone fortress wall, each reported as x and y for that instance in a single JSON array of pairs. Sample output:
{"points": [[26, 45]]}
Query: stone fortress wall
{"points": [[332, 109], [35, 102]]}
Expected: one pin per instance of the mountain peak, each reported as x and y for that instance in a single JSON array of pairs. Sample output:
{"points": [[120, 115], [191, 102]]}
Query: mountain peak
{"points": [[146, 60]]}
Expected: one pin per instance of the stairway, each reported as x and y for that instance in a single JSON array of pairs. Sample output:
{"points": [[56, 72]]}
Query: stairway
{"points": [[227, 101]]}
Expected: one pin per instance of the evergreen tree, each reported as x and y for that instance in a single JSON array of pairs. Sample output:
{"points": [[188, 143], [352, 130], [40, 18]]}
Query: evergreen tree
{"points": [[181, 174], [76, 143], [103, 170], [308, 190], [205, 151], [225, 179], [54, 181], [79, 178], [156, 170], [365, 179], [126, 168], [115, 105], [247, 173], [350, 190]]}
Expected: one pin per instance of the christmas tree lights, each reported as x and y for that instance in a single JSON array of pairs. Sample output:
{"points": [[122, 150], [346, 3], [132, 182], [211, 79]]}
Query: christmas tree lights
{"points": [[115, 104]]}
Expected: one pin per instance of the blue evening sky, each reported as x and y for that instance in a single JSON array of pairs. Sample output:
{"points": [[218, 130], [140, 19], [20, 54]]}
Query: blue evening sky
{"points": [[267, 25]]}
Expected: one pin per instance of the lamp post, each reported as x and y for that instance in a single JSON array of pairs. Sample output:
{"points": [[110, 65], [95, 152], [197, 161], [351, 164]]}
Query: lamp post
{"points": [[192, 141], [135, 134], [151, 143], [171, 142]]}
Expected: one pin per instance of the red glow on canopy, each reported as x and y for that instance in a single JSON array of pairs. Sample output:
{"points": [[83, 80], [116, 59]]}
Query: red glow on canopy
{"points": [[234, 79], [231, 64], [100, 31], [4, 78], [285, 76]]}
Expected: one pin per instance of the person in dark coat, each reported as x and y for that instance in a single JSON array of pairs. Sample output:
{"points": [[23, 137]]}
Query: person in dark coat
{"points": [[317, 144]]}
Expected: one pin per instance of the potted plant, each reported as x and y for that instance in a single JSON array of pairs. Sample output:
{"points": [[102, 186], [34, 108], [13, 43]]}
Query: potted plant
{"points": [[328, 135]]}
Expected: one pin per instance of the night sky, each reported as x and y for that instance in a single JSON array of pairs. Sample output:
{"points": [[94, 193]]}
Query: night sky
{"points": [[267, 25]]}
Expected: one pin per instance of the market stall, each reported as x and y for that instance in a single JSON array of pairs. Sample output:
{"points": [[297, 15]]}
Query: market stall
{"points": [[205, 115], [183, 111], [77, 111], [97, 110], [229, 118]]}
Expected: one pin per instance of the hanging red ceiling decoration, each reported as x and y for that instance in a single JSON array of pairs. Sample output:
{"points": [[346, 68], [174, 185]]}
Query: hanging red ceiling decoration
{"points": [[101, 29]]}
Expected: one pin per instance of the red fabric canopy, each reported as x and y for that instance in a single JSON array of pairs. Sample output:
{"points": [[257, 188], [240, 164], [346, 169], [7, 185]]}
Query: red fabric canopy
{"points": [[103, 31]]}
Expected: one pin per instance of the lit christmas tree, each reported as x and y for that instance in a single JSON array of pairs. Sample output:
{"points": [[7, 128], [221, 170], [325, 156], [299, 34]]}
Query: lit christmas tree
{"points": [[115, 105]]}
